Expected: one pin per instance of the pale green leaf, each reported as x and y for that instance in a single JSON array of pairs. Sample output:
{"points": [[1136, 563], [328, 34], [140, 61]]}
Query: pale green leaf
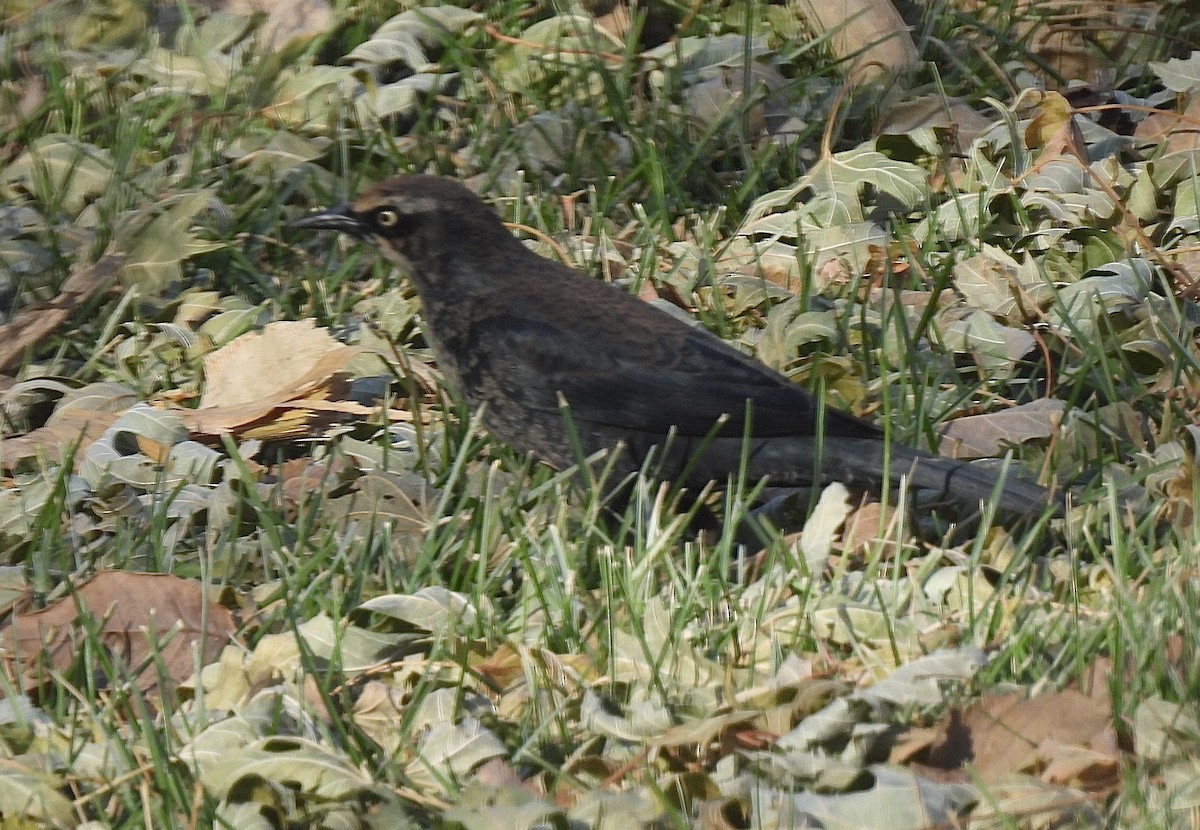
{"points": [[1179, 74], [61, 170], [33, 797], [156, 249]]}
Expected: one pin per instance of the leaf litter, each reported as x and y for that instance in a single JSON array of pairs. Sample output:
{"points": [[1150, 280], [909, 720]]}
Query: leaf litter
{"points": [[832, 669]]}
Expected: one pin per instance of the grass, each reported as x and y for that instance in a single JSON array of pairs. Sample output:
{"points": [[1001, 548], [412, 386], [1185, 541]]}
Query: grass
{"points": [[436, 631]]}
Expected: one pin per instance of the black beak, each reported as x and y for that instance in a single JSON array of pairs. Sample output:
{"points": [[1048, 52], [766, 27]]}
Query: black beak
{"points": [[335, 219]]}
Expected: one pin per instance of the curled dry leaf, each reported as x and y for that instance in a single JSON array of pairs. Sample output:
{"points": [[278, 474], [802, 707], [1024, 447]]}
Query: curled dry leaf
{"points": [[271, 383]]}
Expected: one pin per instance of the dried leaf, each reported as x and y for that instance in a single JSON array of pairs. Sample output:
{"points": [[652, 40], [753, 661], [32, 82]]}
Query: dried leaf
{"points": [[156, 625], [1002, 734], [990, 435], [61, 170], [285, 20], [34, 323], [157, 240], [277, 374]]}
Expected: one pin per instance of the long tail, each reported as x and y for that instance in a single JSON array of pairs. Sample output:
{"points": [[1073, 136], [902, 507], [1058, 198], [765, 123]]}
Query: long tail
{"points": [[792, 461], [970, 484]]}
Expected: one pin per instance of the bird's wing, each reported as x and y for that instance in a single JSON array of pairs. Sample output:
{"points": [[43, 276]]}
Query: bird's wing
{"points": [[656, 373]]}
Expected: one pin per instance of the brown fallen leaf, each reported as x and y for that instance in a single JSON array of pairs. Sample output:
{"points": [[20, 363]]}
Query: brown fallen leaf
{"points": [[268, 383], [913, 745], [1081, 767], [871, 522], [1177, 132], [401, 499], [959, 119], [20, 99], [34, 323], [1063, 735], [870, 36], [64, 431], [286, 360], [153, 624], [988, 436], [303, 479]]}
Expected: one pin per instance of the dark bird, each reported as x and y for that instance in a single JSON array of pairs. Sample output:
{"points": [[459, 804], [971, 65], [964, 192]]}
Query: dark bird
{"points": [[519, 334]]}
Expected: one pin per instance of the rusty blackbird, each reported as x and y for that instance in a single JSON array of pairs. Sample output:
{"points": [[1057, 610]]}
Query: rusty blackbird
{"points": [[521, 334]]}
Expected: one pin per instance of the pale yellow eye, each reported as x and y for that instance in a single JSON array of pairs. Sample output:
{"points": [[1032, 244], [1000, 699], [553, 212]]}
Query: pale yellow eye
{"points": [[386, 218]]}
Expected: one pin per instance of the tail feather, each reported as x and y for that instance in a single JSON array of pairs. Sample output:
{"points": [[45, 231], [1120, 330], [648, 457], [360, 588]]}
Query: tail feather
{"points": [[790, 461], [971, 483]]}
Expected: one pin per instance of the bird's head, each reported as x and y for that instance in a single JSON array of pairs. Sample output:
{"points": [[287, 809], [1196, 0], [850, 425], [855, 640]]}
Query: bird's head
{"points": [[415, 219]]}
